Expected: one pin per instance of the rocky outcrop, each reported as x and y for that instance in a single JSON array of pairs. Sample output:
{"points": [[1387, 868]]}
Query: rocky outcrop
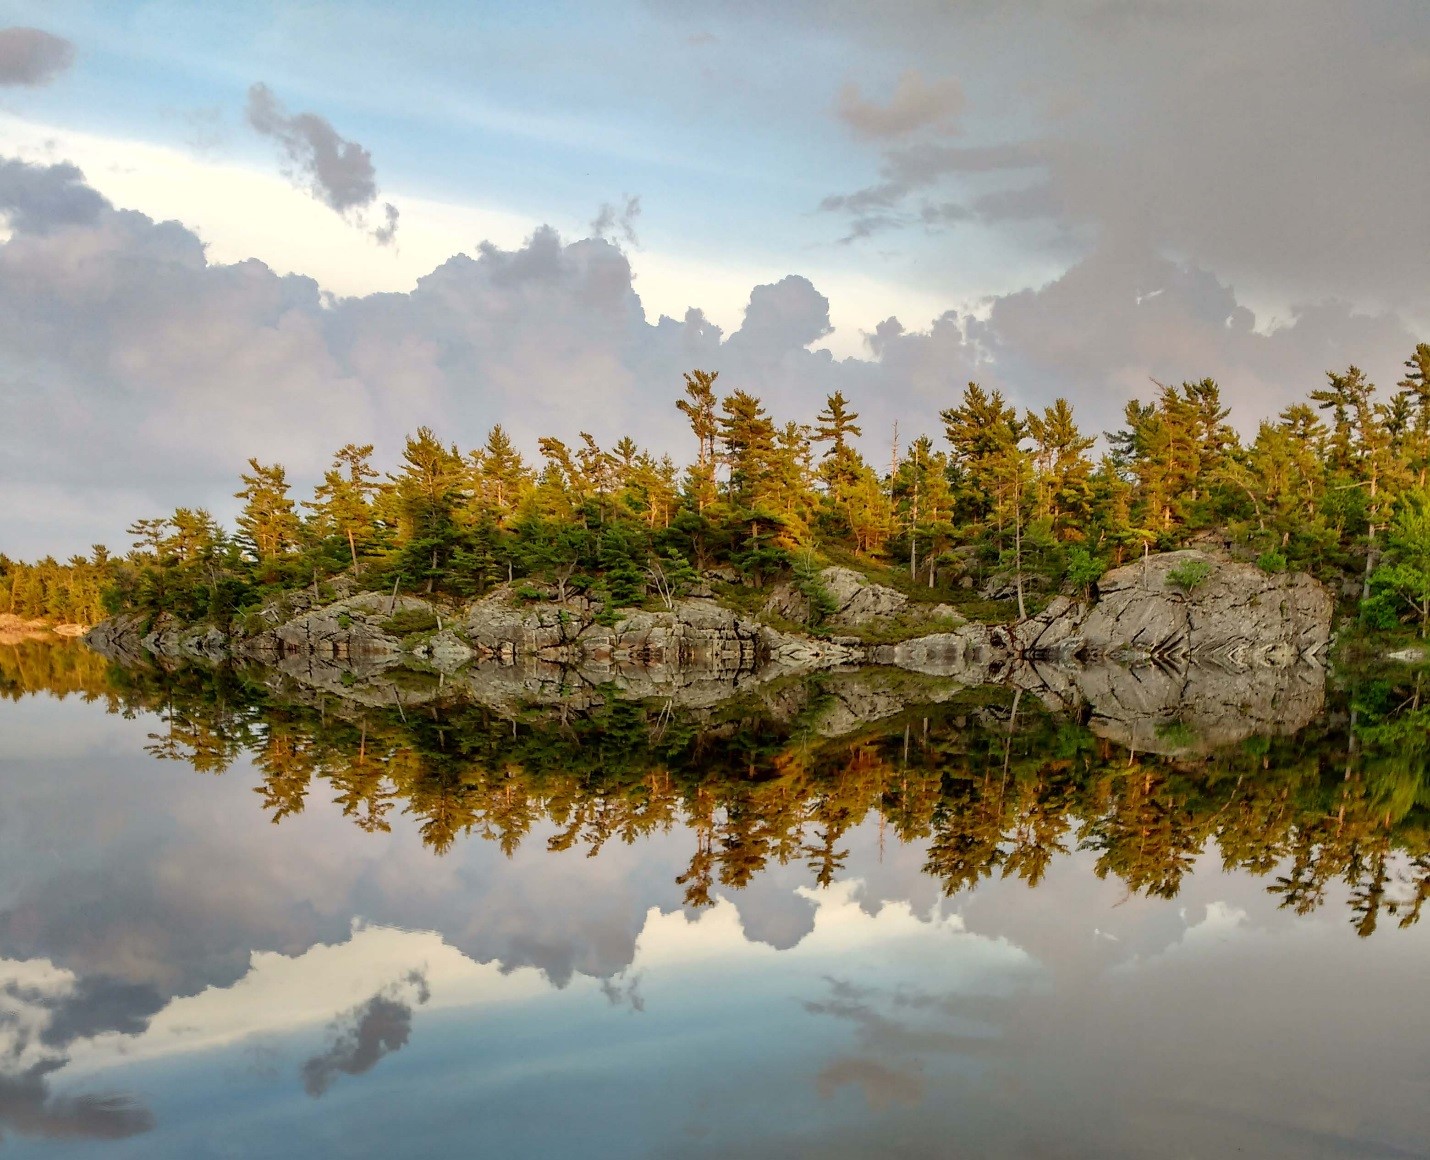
{"points": [[1184, 605], [858, 603], [360, 626]]}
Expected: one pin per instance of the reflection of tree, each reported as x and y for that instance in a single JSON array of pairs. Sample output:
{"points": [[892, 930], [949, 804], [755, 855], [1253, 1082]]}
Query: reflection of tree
{"points": [[987, 783]]}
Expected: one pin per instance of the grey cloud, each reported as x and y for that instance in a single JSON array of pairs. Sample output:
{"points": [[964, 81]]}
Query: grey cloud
{"points": [[337, 171], [384, 234], [785, 316], [620, 221], [369, 1032], [914, 104], [38, 199], [1282, 144], [31, 57]]}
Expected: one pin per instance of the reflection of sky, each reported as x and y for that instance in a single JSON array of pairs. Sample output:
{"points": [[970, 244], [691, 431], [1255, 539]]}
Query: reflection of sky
{"points": [[219, 969]]}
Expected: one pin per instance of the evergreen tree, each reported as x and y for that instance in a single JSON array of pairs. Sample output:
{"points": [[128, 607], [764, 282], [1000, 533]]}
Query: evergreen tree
{"points": [[342, 503], [268, 521]]}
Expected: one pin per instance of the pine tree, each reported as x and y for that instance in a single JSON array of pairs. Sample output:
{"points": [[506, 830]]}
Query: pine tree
{"points": [[1063, 472], [699, 408], [268, 521], [342, 503]]}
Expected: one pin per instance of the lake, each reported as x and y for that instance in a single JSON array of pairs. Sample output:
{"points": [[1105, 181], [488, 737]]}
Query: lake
{"points": [[243, 918]]}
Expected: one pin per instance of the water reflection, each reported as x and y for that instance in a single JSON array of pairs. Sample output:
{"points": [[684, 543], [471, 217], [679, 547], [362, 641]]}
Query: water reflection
{"points": [[986, 781], [782, 942]]}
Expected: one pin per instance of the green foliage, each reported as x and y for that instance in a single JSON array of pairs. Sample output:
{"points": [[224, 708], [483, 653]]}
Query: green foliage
{"points": [[1272, 562], [1083, 569], [1189, 575], [806, 580], [406, 621]]}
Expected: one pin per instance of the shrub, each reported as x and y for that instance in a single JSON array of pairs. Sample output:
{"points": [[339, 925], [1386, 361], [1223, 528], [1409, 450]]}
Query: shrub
{"points": [[410, 620], [807, 581], [1190, 575], [1083, 569], [1271, 562], [1380, 611]]}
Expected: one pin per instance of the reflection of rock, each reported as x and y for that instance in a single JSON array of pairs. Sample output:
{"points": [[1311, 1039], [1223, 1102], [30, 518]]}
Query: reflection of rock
{"points": [[1192, 709], [860, 697]]}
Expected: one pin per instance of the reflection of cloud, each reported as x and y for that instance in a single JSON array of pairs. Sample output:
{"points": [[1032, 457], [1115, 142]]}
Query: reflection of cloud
{"points": [[27, 1107], [43, 1010], [883, 1086], [627, 996], [1220, 924], [377, 1028], [914, 104], [896, 1029]]}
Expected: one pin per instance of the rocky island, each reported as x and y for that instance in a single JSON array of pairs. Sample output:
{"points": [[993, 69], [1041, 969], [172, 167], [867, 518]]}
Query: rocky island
{"points": [[1236, 651]]}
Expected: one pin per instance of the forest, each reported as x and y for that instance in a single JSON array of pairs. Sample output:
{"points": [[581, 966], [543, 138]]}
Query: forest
{"points": [[1335, 485], [986, 784]]}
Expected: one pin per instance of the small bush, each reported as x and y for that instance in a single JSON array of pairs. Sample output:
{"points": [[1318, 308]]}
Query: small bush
{"points": [[1380, 611], [1083, 569], [344, 620], [410, 620], [821, 603], [1271, 562], [1190, 575]]}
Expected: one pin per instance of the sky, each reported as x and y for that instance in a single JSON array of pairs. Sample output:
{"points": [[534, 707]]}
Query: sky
{"points": [[263, 229]]}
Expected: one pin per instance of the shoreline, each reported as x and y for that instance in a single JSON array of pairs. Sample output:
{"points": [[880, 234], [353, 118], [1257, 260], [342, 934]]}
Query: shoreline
{"points": [[14, 629]]}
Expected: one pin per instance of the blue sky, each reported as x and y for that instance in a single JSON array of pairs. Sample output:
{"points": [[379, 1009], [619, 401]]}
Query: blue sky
{"points": [[1055, 199]]}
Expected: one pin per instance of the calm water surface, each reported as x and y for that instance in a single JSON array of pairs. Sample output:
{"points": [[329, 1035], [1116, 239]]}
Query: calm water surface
{"points": [[236, 924]]}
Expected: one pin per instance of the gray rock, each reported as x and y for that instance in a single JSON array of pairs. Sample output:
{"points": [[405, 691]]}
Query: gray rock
{"points": [[857, 600], [355, 627], [1238, 613]]}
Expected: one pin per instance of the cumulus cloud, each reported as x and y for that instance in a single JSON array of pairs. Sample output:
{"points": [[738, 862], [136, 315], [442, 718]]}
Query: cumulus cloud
{"points": [[31, 57], [119, 337], [914, 104], [336, 171], [38, 200], [366, 1034]]}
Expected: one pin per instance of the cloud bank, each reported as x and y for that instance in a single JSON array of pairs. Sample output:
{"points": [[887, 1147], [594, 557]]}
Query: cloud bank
{"points": [[136, 375]]}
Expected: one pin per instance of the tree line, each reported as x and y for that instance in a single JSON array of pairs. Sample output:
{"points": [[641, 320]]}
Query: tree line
{"points": [[1336, 484]]}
